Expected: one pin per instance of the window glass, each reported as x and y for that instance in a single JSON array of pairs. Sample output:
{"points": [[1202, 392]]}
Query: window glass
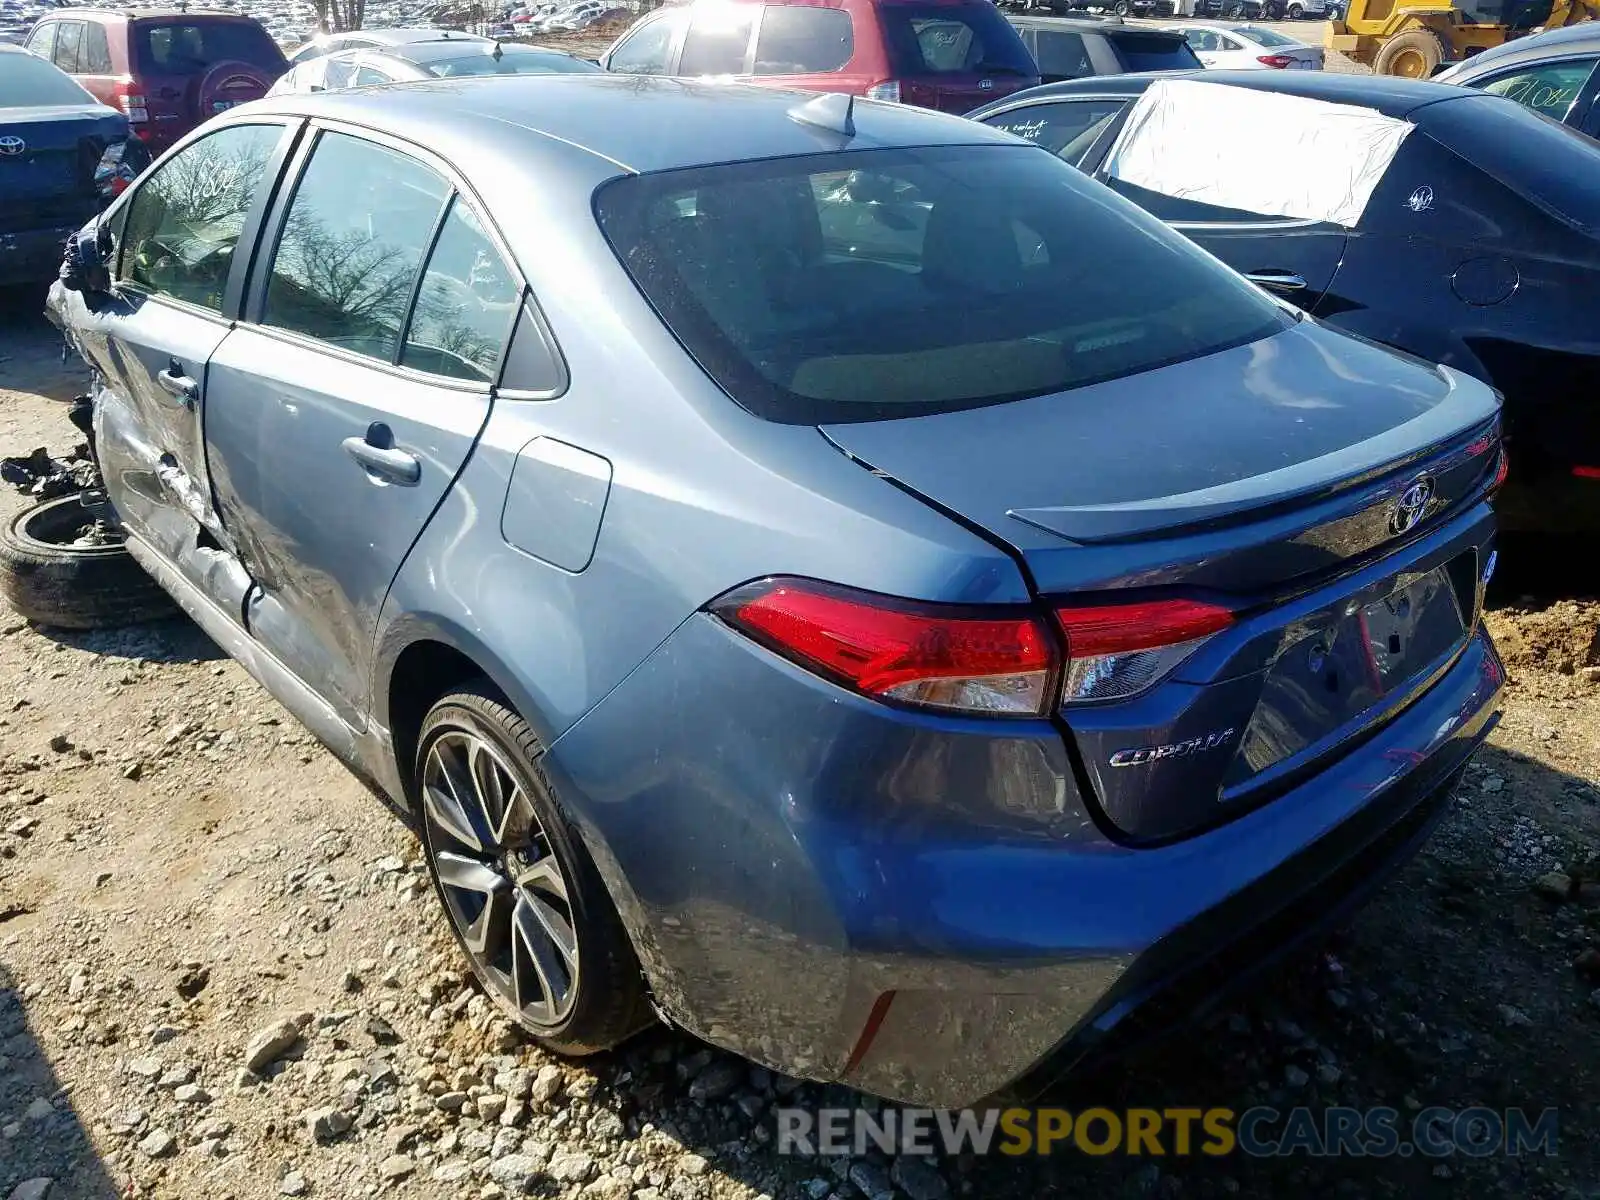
{"points": [[1204, 39], [1263, 36], [189, 48], [1062, 54], [1154, 52], [465, 304], [366, 76], [336, 74], [68, 38], [42, 41], [27, 81], [718, 40], [1549, 88], [953, 39], [184, 221], [356, 231], [646, 51], [1067, 129], [94, 57], [798, 40], [512, 60], [869, 284]]}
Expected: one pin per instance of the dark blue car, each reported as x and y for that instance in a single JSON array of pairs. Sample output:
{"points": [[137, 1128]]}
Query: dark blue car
{"points": [[63, 156]]}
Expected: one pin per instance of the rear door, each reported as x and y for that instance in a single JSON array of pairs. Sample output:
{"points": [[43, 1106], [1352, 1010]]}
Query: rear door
{"points": [[182, 236], [342, 407]]}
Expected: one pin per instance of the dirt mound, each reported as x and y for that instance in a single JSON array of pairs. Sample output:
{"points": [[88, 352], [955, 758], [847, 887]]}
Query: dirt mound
{"points": [[1563, 637]]}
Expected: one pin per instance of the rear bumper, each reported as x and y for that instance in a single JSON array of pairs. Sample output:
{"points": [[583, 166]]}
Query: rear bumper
{"points": [[922, 907], [33, 255]]}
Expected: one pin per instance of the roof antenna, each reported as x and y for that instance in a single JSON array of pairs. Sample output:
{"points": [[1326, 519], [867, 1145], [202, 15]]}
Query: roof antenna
{"points": [[497, 54], [833, 111]]}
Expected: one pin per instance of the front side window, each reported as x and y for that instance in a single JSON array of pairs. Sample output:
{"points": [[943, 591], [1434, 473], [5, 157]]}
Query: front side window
{"points": [[647, 50], [871, 284], [718, 40], [953, 39], [796, 39], [1066, 129], [1549, 89], [351, 245], [42, 41], [183, 223], [465, 305], [69, 37]]}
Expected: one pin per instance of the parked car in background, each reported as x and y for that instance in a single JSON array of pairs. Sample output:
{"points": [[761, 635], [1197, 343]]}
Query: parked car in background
{"points": [[374, 39], [416, 61], [1218, 10], [945, 54], [1456, 226], [1249, 48], [166, 70], [63, 157], [1068, 48], [764, 538], [1552, 73]]}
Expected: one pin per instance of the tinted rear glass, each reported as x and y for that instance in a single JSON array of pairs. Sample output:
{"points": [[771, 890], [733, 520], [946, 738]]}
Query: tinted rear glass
{"points": [[189, 48], [1141, 52], [1552, 165], [26, 80], [952, 39], [876, 284]]}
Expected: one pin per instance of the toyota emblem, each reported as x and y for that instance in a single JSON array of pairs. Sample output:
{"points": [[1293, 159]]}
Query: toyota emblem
{"points": [[1412, 505], [11, 146]]}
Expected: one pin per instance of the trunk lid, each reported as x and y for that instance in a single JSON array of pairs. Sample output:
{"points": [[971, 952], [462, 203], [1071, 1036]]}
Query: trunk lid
{"points": [[1297, 481], [50, 180]]}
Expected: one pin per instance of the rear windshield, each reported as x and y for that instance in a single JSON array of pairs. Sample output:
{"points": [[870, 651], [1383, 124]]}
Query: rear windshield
{"points": [[1550, 164], [1142, 52], [513, 60], [1266, 37], [872, 284], [952, 39], [190, 47], [26, 81]]}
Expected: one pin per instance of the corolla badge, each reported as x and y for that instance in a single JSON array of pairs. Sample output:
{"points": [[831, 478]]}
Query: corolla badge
{"points": [[1138, 756], [11, 146], [1412, 505], [1420, 200]]}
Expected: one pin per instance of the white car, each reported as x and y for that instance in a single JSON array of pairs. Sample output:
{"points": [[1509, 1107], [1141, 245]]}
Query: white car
{"points": [[1249, 47], [373, 39]]}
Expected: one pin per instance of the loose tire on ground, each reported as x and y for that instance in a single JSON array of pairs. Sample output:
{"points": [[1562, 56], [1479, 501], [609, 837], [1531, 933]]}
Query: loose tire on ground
{"points": [[608, 1001], [1412, 55], [73, 587]]}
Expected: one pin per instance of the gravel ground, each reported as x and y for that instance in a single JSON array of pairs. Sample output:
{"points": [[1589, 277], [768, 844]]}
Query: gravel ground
{"points": [[222, 973]]}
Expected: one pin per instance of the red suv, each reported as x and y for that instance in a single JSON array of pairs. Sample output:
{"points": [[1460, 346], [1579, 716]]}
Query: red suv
{"points": [[947, 54], [167, 70]]}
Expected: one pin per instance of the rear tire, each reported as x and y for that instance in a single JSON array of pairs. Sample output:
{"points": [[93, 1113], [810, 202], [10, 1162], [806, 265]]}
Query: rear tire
{"points": [[1294, 12], [1414, 54], [50, 581], [522, 895]]}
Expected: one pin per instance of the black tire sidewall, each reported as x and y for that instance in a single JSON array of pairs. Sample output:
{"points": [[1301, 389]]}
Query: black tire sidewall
{"points": [[73, 587]]}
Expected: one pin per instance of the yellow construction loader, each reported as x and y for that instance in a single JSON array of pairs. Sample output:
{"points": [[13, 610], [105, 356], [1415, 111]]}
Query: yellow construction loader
{"points": [[1413, 37]]}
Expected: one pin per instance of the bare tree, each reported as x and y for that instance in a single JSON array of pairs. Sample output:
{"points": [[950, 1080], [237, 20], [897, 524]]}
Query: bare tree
{"points": [[337, 16]]}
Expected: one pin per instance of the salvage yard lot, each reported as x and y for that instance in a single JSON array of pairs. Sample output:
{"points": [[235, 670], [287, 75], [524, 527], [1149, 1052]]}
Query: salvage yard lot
{"points": [[182, 869]]}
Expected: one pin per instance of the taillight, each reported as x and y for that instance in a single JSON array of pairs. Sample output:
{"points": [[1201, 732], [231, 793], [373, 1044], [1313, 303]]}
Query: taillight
{"points": [[1501, 470], [131, 101], [1115, 651], [1280, 61], [888, 90], [929, 655]]}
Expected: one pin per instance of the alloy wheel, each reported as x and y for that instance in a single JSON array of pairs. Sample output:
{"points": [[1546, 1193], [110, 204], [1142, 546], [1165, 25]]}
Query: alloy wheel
{"points": [[501, 882]]}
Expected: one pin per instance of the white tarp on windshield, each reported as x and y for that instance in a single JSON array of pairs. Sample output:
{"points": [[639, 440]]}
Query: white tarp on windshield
{"points": [[1262, 152]]}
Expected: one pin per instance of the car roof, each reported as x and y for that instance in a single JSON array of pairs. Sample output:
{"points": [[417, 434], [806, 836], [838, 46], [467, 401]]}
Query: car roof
{"points": [[1388, 94], [1088, 25], [636, 122], [149, 14], [1554, 43], [406, 36]]}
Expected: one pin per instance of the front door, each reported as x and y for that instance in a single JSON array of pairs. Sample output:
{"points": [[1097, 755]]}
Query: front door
{"points": [[340, 411], [177, 237]]}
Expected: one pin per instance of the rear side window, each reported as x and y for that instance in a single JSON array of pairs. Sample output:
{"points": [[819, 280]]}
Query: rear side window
{"points": [[367, 77], [189, 48], [68, 38], [952, 40], [94, 56], [465, 305], [184, 222], [1061, 53], [800, 40], [1066, 129], [358, 226], [647, 49], [872, 284], [718, 40], [1142, 52], [26, 81], [1548, 88]]}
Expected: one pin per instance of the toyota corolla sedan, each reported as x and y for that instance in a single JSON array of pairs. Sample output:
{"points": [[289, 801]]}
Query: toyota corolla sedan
{"points": [[823, 573]]}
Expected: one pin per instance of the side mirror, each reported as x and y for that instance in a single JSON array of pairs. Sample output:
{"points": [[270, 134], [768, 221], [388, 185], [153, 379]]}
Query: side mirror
{"points": [[86, 267]]}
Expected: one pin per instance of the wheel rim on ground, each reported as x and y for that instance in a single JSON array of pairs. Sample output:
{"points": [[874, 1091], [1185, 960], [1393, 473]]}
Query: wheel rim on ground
{"points": [[1409, 64], [502, 884]]}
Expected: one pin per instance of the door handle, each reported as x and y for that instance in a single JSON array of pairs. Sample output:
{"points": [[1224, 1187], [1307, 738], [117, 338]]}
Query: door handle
{"points": [[1278, 281], [176, 384], [376, 452]]}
